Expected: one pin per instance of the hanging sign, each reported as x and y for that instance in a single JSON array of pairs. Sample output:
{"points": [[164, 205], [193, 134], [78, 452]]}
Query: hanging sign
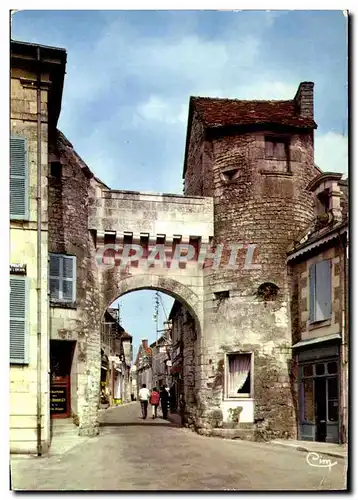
{"points": [[18, 269]]}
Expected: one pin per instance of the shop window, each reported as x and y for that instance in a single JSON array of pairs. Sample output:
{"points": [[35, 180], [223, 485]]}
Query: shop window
{"points": [[238, 376], [307, 370], [308, 400], [332, 367], [320, 293], [63, 278], [332, 399], [320, 369]]}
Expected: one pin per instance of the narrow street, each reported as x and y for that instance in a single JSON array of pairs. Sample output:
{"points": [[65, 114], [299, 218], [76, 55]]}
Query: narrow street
{"points": [[132, 454]]}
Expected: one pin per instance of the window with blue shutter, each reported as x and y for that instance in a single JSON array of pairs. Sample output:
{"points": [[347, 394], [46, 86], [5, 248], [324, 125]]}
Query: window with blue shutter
{"points": [[320, 278], [19, 199], [62, 278], [18, 320]]}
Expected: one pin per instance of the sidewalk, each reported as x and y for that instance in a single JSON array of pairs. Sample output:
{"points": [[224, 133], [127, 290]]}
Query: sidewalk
{"points": [[330, 449], [175, 418]]}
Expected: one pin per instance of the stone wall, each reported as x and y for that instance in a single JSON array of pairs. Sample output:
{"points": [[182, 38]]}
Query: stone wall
{"points": [[70, 187], [267, 209]]}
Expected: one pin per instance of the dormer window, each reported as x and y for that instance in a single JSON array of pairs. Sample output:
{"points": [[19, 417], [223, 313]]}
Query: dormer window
{"points": [[322, 202]]}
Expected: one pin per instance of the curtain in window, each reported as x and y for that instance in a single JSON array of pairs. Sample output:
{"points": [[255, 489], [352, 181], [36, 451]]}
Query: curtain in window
{"points": [[239, 368]]}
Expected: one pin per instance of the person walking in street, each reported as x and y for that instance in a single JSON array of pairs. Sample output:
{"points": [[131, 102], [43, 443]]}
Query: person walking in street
{"points": [[164, 400], [154, 401], [144, 396]]}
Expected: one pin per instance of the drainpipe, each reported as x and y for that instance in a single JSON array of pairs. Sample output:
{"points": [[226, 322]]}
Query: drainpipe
{"points": [[344, 323], [38, 199]]}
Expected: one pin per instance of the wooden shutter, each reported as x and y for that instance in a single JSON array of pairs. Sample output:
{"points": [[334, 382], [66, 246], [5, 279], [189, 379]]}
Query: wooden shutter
{"points": [[312, 292], [323, 304], [268, 149], [280, 151], [18, 320], [18, 179]]}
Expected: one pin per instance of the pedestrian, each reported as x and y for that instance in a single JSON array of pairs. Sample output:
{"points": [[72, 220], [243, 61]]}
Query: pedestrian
{"points": [[144, 396], [164, 398], [154, 401]]}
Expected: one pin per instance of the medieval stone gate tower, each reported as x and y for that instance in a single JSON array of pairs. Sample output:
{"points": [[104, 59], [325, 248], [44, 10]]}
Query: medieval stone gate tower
{"points": [[255, 158], [247, 164]]}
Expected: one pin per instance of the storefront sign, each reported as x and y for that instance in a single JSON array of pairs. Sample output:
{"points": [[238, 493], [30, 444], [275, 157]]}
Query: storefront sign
{"points": [[59, 400], [19, 269]]}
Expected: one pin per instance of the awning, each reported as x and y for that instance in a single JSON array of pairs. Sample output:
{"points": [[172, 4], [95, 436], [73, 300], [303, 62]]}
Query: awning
{"points": [[316, 340], [316, 243]]}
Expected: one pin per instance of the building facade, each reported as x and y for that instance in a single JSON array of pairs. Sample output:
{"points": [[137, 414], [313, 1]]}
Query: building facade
{"points": [[241, 336], [318, 265], [37, 75], [161, 359], [255, 158]]}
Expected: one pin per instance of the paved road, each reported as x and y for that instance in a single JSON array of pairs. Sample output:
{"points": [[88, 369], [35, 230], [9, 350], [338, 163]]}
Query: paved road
{"points": [[132, 454]]}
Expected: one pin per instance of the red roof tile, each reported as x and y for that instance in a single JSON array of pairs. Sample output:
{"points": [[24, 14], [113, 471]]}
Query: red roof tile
{"points": [[215, 112]]}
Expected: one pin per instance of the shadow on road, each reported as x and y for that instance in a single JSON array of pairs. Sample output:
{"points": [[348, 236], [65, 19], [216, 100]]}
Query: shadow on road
{"points": [[141, 422]]}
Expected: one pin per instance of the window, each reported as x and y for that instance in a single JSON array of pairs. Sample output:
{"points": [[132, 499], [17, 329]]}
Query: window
{"points": [[56, 171], [63, 278], [239, 375], [276, 149], [18, 320], [320, 301], [19, 203], [322, 202]]}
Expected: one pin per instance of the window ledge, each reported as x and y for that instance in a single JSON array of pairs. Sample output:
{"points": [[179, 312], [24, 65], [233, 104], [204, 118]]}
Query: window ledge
{"points": [[319, 324], [62, 304], [281, 174]]}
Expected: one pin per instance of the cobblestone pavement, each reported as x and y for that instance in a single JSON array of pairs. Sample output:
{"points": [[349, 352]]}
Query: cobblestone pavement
{"points": [[132, 454]]}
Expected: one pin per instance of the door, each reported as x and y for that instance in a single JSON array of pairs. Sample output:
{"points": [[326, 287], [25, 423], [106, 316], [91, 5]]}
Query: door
{"points": [[307, 411], [321, 409], [332, 410], [61, 355]]}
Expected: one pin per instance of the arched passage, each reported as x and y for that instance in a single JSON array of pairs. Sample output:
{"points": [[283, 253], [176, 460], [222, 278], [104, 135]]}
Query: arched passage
{"points": [[188, 327], [164, 284]]}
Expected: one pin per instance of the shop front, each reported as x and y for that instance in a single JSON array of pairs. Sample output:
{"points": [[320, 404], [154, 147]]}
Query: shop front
{"points": [[319, 392]]}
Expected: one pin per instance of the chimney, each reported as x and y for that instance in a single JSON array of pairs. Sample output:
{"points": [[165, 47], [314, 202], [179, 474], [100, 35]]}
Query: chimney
{"points": [[304, 100], [145, 344]]}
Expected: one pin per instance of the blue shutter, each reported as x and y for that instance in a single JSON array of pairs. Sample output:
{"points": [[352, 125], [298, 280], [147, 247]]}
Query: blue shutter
{"points": [[18, 320], [323, 290], [312, 292], [19, 203], [55, 273]]}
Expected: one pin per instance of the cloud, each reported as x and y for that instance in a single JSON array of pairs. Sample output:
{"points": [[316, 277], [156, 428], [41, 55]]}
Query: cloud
{"points": [[331, 152]]}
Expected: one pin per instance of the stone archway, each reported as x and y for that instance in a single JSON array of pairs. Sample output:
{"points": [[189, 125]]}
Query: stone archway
{"points": [[108, 291], [164, 284]]}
